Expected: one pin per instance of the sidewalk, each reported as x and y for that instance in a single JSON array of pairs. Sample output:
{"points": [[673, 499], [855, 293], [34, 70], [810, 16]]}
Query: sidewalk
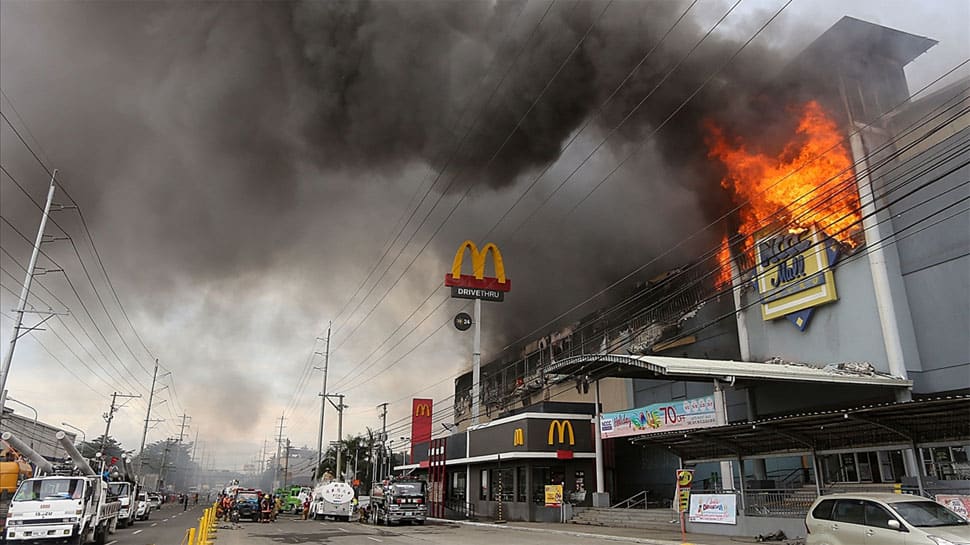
{"points": [[609, 533]]}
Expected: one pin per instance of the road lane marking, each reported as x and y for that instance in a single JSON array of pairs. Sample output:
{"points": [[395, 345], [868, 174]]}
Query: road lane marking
{"points": [[373, 539], [111, 542], [136, 532], [342, 530], [154, 524]]}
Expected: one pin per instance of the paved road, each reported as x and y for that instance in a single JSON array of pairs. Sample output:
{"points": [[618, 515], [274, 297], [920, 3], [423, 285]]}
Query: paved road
{"points": [[164, 527], [290, 531]]}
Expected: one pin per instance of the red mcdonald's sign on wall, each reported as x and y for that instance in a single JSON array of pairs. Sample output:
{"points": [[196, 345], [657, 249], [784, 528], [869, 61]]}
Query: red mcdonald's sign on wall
{"points": [[420, 422]]}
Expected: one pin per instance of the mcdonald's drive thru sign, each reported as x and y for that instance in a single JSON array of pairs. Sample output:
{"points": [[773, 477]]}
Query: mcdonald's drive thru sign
{"points": [[477, 285], [420, 421]]}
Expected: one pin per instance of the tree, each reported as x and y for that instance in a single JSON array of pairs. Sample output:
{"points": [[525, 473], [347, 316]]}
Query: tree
{"points": [[171, 461], [357, 451], [90, 449]]}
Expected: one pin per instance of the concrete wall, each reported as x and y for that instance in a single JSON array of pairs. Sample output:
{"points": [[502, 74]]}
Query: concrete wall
{"points": [[935, 263], [39, 436], [751, 526], [846, 330]]}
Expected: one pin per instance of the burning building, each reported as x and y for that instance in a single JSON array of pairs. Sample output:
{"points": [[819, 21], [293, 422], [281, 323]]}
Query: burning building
{"points": [[841, 281]]}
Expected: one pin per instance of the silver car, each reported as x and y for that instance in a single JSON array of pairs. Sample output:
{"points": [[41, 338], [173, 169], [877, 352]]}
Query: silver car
{"points": [[883, 519]]}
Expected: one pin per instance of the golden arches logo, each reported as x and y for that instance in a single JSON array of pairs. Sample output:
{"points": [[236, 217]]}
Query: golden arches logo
{"points": [[561, 427], [518, 437], [478, 279], [422, 409]]}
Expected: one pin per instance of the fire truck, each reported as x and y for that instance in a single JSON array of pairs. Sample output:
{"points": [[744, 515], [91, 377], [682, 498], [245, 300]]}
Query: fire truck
{"points": [[400, 500]]}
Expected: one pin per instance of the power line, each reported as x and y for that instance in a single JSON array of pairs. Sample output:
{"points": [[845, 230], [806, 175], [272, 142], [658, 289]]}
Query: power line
{"points": [[454, 208], [952, 154]]}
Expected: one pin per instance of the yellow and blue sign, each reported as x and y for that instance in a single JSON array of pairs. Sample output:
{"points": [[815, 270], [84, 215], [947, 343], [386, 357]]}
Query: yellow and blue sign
{"points": [[794, 275]]}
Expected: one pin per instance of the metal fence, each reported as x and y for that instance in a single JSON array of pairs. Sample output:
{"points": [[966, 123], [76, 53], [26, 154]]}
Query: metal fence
{"points": [[785, 503]]}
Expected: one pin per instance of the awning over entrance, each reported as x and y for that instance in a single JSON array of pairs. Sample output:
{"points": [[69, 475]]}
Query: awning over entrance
{"points": [[659, 367], [927, 422]]}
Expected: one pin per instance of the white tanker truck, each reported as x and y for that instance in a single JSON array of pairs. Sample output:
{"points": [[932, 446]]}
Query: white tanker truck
{"points": [[69, 503], [333, 499]]}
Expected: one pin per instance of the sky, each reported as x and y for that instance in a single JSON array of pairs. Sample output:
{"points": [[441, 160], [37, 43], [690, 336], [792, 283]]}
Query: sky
{"points": [[243, 168]]}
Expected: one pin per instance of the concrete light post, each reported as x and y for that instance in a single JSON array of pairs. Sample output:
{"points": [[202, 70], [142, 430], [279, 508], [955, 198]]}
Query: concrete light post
{"points": [[84, 436], [34, 434]]}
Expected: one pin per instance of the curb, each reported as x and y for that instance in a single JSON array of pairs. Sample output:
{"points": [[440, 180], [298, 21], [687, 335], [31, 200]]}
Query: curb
{"points": [[625, 539]]}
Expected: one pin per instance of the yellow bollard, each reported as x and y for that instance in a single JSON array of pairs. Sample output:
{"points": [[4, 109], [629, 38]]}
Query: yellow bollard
{"points": [[192, 536]]}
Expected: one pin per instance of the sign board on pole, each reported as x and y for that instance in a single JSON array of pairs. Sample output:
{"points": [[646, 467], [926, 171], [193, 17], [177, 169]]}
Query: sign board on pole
{"points": [[477, 285], [684, 478], [553, 495], [713, 508], [463, 321], [660, 417]]}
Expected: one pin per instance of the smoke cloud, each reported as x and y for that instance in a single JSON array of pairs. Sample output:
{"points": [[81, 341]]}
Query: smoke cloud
{"points": [[243, 164]]}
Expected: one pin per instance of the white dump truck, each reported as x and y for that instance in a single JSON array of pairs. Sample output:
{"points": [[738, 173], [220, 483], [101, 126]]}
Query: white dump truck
{"points": [[124, 486], [69, 503], [333, 499]]}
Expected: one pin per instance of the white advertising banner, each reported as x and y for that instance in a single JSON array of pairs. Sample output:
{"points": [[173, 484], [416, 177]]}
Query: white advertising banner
{"points": [[673, 416], [713, 508]]}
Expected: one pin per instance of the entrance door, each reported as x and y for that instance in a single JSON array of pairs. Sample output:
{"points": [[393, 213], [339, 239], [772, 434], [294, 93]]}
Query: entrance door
{"points": [[886, 474], [850, 473]]}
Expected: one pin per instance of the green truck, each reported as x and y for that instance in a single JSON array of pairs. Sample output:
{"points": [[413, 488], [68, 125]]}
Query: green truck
{"points": [[293, 497]]}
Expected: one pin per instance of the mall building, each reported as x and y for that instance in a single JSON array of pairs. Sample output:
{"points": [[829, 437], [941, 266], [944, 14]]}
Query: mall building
{"points": [[832, 360]]}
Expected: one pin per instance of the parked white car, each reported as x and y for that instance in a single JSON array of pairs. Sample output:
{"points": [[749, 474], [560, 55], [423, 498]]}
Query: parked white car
{"points": [[883, 519], [144, 507], [155, 500]]}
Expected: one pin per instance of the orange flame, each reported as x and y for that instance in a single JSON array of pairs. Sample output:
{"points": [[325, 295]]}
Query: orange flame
{"points": [[809, 183], [722, 278]]}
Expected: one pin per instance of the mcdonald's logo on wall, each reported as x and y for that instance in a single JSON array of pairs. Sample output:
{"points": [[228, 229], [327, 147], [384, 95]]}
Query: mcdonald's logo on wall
{"points": [[561, 427], [477, 285], [421, 410], [518, 438]]}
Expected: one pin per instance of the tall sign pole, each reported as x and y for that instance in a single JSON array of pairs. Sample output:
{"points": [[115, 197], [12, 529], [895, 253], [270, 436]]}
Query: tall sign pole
{"points": [[477, 364], [25, 292], [477, 286]]}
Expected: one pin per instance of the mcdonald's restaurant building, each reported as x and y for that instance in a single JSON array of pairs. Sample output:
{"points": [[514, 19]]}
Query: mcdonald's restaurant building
{"points": [[506, 463]]}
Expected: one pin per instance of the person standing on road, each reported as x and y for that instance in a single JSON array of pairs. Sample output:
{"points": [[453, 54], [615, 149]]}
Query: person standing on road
{"points": [[185, 502], [306, 508]]}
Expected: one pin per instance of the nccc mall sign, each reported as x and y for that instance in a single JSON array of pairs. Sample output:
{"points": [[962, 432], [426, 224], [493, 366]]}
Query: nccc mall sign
{"points": [[477, 285]]}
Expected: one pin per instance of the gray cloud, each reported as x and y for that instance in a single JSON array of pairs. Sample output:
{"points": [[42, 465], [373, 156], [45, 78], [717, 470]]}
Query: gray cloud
{"points": [[242, 164]]}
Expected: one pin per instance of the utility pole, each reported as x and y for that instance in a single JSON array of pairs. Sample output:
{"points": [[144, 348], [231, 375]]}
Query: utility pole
{"points": [[182, 427], [286, 466], [148, 416], [279, 444], [340, 428], [323, 400], [109, 416], [22, 306], [25, 292], [383, 408], [161, 469]]}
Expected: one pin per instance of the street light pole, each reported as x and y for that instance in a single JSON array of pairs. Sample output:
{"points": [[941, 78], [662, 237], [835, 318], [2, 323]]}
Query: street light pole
{"points": [[84, 437], [34, 433]]}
